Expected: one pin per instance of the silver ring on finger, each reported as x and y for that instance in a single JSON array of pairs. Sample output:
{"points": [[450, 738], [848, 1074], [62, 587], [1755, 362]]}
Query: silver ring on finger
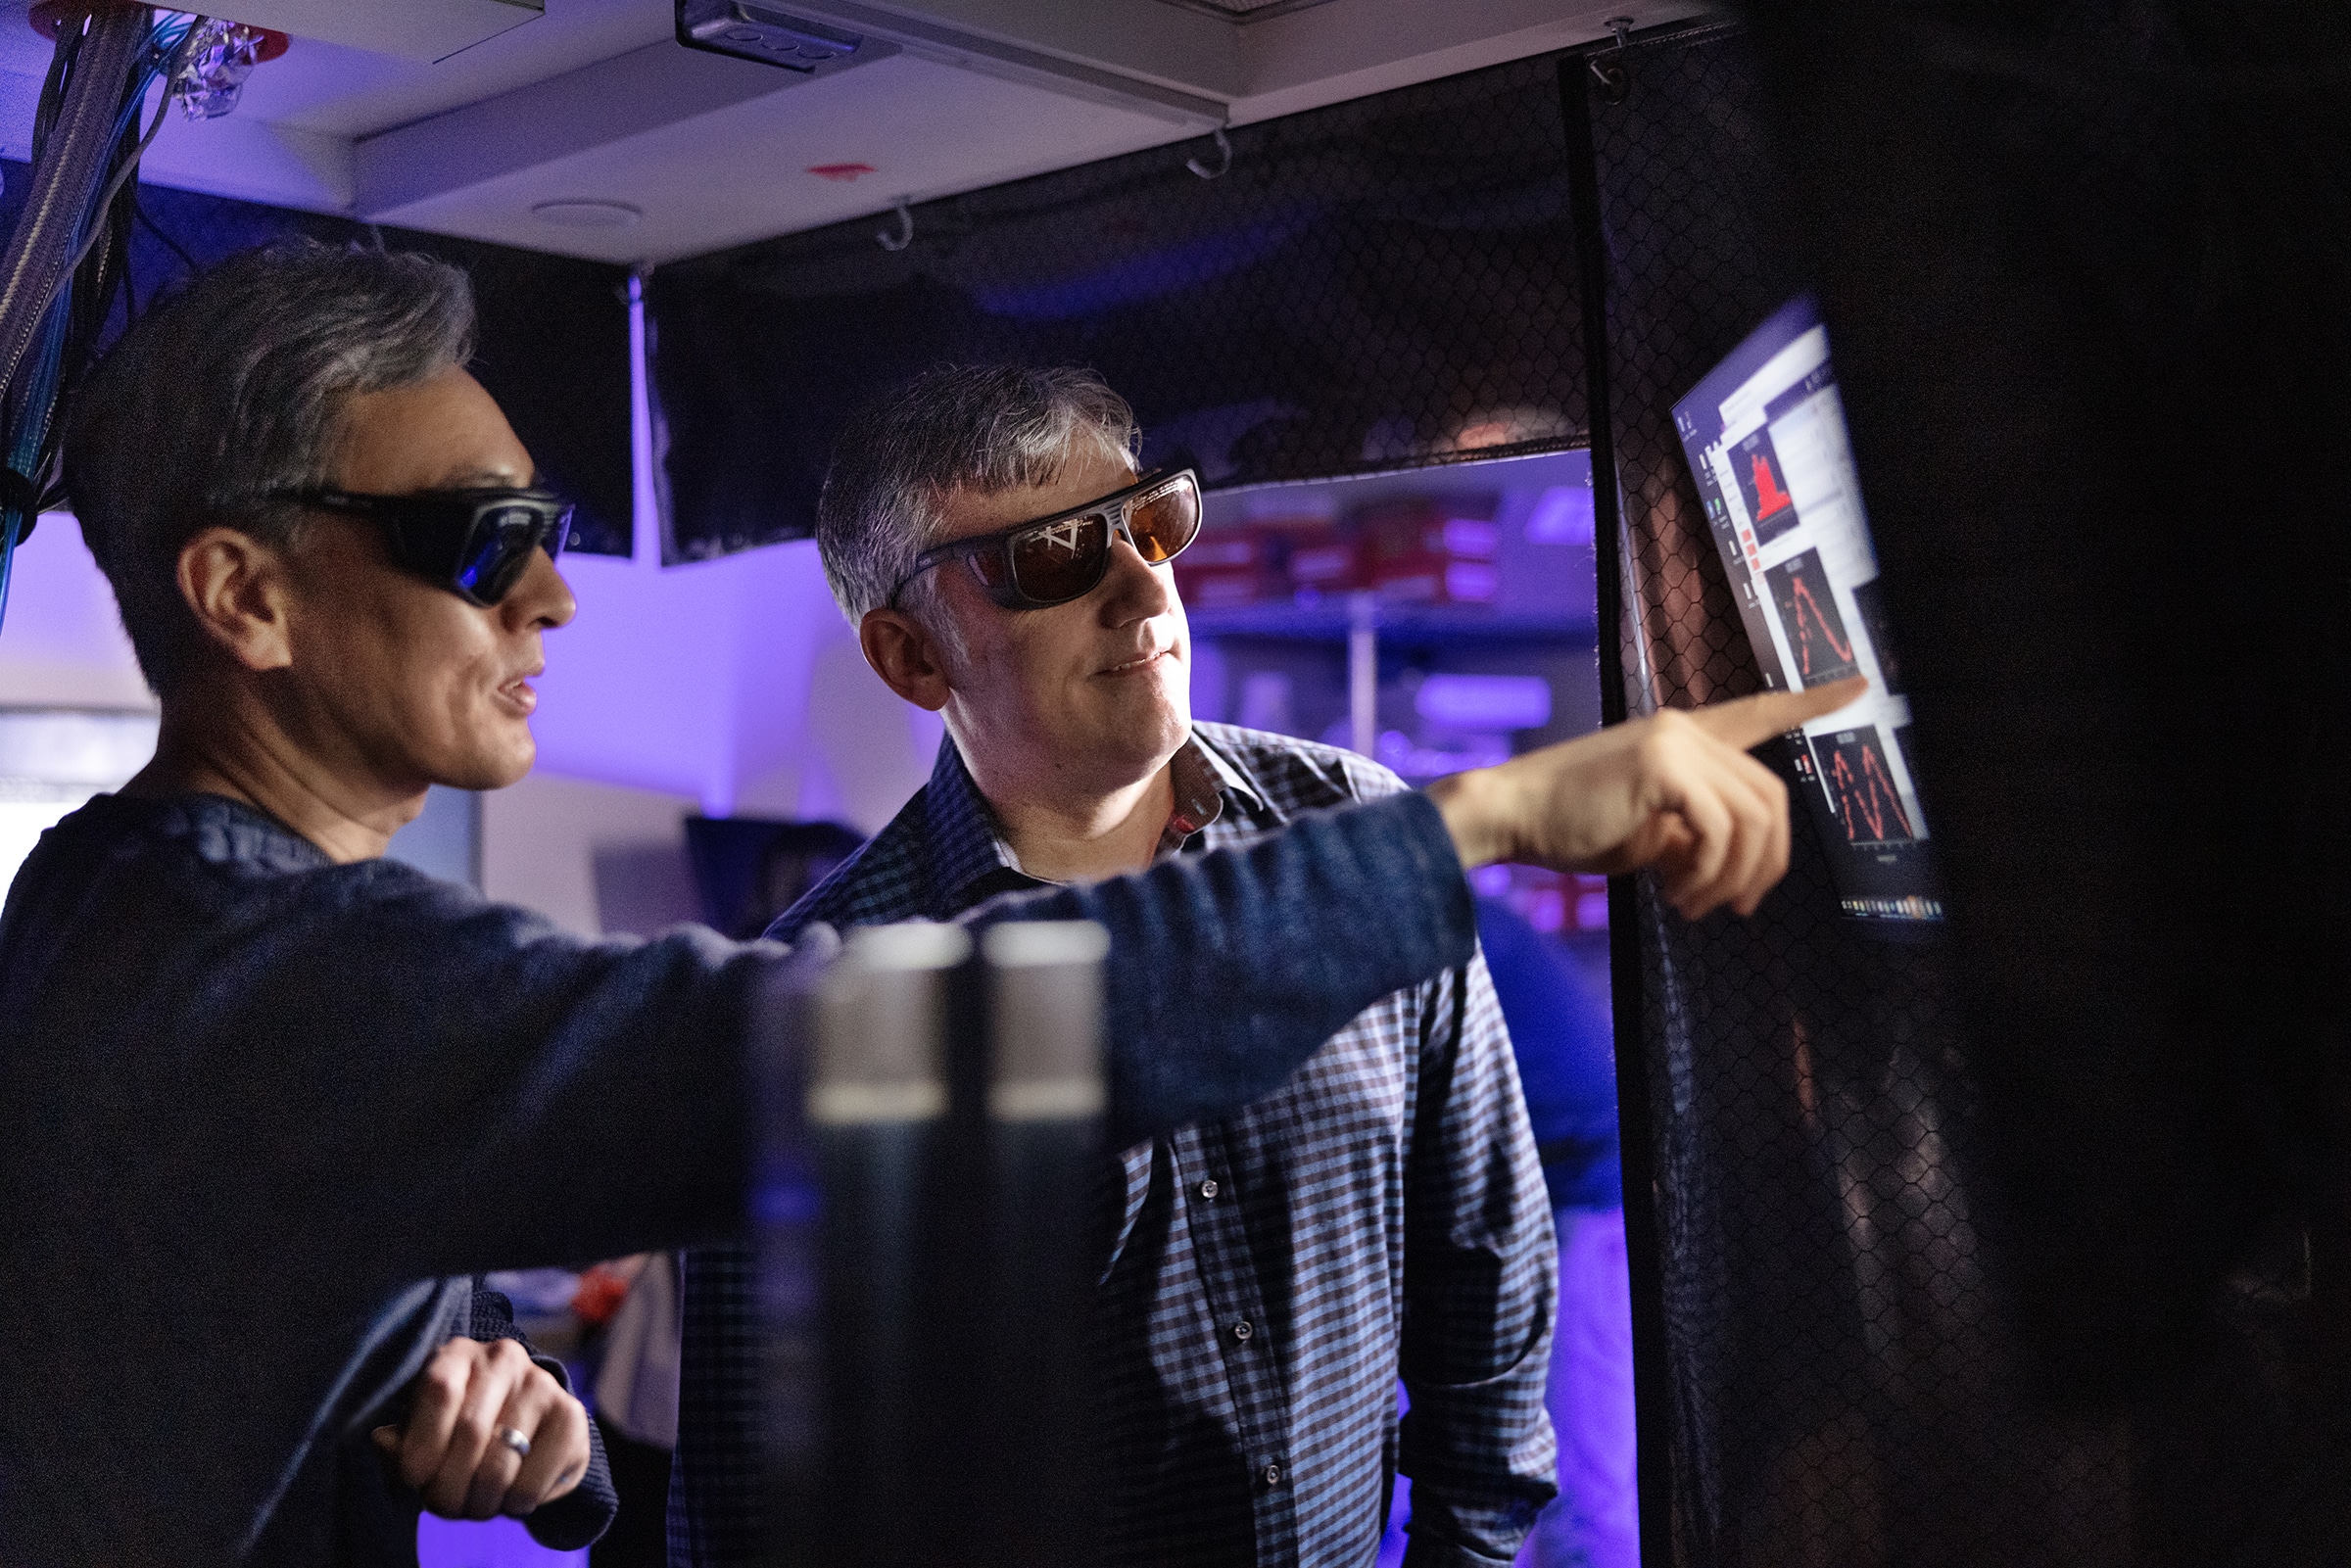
{"points": [[513, 1439]]}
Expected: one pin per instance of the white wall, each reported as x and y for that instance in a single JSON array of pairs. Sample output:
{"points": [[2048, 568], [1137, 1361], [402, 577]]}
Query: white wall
{"points": [[541, 842], [735, 683], [60, 642]]}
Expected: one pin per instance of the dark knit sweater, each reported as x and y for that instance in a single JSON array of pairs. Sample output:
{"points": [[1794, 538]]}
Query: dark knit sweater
{"points": [[260, 1113]]}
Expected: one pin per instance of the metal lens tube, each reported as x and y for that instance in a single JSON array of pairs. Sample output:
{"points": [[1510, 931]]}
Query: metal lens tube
{"points": [[929, 1203], [787, 1425], [877, 1106], [1046, 1230]]}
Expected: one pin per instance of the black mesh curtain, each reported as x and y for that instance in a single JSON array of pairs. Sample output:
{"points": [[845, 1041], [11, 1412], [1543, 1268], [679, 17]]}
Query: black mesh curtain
{"points": [[1383, 283], [553, 332], [1832, 1355], [2020, 1248]]}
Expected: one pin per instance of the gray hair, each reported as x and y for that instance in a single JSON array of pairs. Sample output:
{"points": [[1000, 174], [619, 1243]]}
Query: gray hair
{"points": [[956, 427], [234, 389]]}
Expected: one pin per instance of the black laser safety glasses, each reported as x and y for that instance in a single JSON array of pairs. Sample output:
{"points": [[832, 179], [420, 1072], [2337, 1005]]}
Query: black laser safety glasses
{"points": [[474, 543], [1063, 557]]}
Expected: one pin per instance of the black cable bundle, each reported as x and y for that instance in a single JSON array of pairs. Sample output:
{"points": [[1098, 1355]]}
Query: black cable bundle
{"points": [[66, 259]]}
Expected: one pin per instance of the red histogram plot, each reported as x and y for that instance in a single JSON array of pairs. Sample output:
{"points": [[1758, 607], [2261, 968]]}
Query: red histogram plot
{"points": [[1860, 787], [1755, 463], [1770, 499], [1816, 634]]}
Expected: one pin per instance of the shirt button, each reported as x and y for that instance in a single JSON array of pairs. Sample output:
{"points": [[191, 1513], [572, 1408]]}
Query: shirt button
{"points": [[1243, 1329], [1208, 1188], [1271, 1474]]}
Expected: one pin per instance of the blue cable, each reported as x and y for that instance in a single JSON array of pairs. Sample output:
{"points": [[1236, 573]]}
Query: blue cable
{"points": [[38, 408]]}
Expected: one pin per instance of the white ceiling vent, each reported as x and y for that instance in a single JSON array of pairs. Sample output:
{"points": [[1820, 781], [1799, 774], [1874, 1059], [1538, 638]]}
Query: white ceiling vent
{"points": [[412, 29]]}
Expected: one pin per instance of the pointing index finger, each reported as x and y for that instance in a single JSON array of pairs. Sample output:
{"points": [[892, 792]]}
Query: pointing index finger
{"points": [[1751, 721]]}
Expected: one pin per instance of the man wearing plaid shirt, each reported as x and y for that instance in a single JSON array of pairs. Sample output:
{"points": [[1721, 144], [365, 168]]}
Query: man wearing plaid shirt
{"points": [[1271, 1275]]}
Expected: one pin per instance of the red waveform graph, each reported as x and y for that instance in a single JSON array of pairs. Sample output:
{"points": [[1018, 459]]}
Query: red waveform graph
{"points": [[1867, 802], [1815, 632], [1809, 619]]}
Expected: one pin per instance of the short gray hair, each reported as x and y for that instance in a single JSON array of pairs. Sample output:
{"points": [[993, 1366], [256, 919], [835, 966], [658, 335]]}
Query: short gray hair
{"points": [[233, 388], [955, 427]]}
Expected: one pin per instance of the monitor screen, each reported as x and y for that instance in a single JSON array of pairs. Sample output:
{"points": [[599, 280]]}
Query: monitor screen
{"points": [[1765, 436]]}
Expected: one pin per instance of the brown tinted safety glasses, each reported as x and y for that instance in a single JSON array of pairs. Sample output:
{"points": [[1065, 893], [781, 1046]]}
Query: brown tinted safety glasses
{"points": [[1063, 557]]}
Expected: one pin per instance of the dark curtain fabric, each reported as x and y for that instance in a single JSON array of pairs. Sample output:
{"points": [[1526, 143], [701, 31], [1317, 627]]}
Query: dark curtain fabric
{"points": [[554, 351], [2091, 268], [2024, 1247], [1384, 283], [1836, 1361], [553, 332]]}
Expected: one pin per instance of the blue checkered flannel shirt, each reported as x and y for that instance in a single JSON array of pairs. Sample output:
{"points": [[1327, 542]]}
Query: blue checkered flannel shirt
{"points": [[1272, 1274]]}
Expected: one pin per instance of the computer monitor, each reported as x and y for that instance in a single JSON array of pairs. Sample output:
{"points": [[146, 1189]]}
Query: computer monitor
{"points": [[1765, 436]]}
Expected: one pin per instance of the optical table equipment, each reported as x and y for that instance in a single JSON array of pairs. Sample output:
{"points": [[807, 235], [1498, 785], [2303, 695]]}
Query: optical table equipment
{"points": [[927, 1218]]}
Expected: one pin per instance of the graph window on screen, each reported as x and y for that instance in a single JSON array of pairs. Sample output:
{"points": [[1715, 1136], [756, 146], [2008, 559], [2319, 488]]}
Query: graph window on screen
{"points": [[1808, 606], [1766, 434], [1860, 787], [1764, 486]]}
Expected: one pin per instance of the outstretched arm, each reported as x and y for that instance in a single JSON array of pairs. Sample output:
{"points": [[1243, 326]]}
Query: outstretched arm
{"points": [[1228, 969], [1675, 793]]}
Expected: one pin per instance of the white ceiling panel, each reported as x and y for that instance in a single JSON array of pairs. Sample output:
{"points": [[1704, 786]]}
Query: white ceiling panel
{"points": [[254, 160], [604, 105], [350, 92], [413, 29], [741, 172], [593, 102]]}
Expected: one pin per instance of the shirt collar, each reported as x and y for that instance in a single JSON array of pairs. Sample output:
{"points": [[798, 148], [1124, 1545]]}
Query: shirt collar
{"points": [[962, 841], [1204, 777], [965, 844]]}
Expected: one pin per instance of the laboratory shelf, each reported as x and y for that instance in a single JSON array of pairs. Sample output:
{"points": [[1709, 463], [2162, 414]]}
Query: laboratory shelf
{"points": [[1331, 621]]}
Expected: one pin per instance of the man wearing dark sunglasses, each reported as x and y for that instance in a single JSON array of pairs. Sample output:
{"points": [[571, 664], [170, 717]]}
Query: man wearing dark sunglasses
{"points": [[985, 530], [269, 1102]]}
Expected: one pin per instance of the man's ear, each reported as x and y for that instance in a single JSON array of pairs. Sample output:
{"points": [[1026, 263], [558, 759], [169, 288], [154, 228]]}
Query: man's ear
{"points": [[237, 589], [907, 656]]}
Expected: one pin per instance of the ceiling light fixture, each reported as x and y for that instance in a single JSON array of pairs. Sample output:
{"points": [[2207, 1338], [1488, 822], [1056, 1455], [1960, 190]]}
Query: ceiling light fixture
{"points": [[772, 37]]}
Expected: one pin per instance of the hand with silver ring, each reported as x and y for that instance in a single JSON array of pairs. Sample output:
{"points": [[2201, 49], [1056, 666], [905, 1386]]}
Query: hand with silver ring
{"points": [[491, 1432]]}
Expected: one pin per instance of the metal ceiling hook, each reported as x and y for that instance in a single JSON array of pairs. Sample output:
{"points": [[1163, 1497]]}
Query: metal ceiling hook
{"points": [[1608, 71], [905, 234], [1223, 145]]}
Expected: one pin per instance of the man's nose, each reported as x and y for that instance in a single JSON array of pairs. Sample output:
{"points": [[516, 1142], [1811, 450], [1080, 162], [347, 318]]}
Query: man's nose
{"points": [[541, 598], [1133, 590]]}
